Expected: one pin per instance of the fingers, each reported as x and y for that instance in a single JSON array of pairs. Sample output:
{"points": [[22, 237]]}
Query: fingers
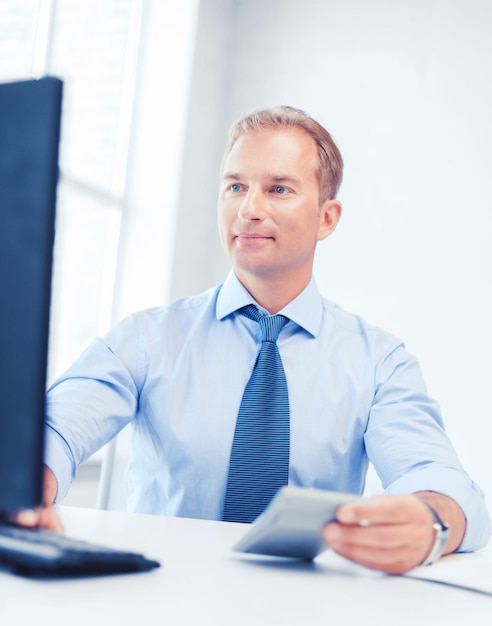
{"points": [[28, 517], [390, 533], [50, 520], [393, 556], [384, 510], [43, 517]]}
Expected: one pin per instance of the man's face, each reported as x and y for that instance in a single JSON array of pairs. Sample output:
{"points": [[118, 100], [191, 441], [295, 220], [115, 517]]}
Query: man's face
{"points": [[269, 213]]}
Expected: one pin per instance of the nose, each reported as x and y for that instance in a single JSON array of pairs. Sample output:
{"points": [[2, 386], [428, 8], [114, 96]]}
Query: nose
{"points": [[252, 207]]}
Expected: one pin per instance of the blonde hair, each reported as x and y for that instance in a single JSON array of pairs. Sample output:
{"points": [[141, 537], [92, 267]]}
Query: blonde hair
{"points": [[330, 164]]}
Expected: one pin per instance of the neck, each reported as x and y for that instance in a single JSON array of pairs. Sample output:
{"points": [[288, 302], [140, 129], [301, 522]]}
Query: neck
{"points": [[273, 293]]}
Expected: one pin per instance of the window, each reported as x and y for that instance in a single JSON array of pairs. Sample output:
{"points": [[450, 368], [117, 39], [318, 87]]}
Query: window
{"points": [[114, 57]]}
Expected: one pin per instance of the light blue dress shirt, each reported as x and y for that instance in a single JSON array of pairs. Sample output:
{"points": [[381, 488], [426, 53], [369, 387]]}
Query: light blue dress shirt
{"points": [[177, 373]]}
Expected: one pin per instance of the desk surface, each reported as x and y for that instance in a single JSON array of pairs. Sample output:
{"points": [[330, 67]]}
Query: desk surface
{"points": [[201, 581]]}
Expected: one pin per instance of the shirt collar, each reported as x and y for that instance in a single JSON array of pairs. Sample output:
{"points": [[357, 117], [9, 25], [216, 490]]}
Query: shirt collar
{"points": [[305, 310]]}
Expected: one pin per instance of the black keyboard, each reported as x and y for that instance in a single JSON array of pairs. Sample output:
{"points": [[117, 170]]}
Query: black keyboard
{"points": [[38, 552]]}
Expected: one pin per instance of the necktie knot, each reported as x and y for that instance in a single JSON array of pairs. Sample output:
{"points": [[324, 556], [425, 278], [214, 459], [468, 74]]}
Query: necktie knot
{"points": [[270, 325]]}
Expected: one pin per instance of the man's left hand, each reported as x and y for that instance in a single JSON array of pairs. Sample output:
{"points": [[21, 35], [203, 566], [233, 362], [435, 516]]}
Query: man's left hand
{"points": [[393, 533]]}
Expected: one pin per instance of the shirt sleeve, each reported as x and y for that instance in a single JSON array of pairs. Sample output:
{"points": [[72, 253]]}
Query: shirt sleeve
{"points": [[87, 406], [409, 448]]}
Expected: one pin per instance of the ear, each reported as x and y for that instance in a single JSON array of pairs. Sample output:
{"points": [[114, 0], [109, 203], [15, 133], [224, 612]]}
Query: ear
{"points": [[329, 216]]}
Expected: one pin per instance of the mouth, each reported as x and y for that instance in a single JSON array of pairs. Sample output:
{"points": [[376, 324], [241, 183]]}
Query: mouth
{"points": [[252, 237]]}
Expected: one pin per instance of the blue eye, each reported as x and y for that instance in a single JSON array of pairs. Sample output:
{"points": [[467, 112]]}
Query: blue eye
{"points": [[280, 190], [235, 187]]}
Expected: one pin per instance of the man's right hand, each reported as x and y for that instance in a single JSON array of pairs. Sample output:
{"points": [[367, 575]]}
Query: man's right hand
{"points": [[45, 515]]}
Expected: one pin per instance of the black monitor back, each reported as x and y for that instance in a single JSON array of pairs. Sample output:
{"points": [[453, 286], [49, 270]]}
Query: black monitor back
{"points": [[30, 114]]}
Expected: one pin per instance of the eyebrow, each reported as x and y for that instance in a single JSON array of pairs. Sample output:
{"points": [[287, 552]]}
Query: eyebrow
{"points": [[286, 179], [272, 177]]}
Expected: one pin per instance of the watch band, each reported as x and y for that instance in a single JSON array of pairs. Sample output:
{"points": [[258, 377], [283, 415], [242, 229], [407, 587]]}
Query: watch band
{"points": [[442, 535]]}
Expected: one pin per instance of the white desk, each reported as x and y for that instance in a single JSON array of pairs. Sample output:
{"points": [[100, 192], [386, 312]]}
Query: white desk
{"points": [[202, 582]]}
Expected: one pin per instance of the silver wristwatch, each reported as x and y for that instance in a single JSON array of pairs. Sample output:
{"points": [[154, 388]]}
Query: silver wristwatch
{"points": [[442, 534]]}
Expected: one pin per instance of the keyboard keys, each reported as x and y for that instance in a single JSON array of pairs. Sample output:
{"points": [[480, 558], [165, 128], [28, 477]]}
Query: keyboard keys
{"points": [[38, 552]]}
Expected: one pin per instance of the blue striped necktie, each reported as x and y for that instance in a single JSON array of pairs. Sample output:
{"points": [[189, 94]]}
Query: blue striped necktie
{"points": [[259, 463]]}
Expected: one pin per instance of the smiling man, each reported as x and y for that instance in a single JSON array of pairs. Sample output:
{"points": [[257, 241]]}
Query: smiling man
{"points": [[271, 215], [199, 380]]}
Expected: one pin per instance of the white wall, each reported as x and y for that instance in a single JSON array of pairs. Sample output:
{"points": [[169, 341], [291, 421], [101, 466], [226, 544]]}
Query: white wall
{"points": [[404, 87]]}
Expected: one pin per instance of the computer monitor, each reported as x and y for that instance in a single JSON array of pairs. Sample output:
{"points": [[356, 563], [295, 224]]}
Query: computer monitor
{"points": [[30, 113]]}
